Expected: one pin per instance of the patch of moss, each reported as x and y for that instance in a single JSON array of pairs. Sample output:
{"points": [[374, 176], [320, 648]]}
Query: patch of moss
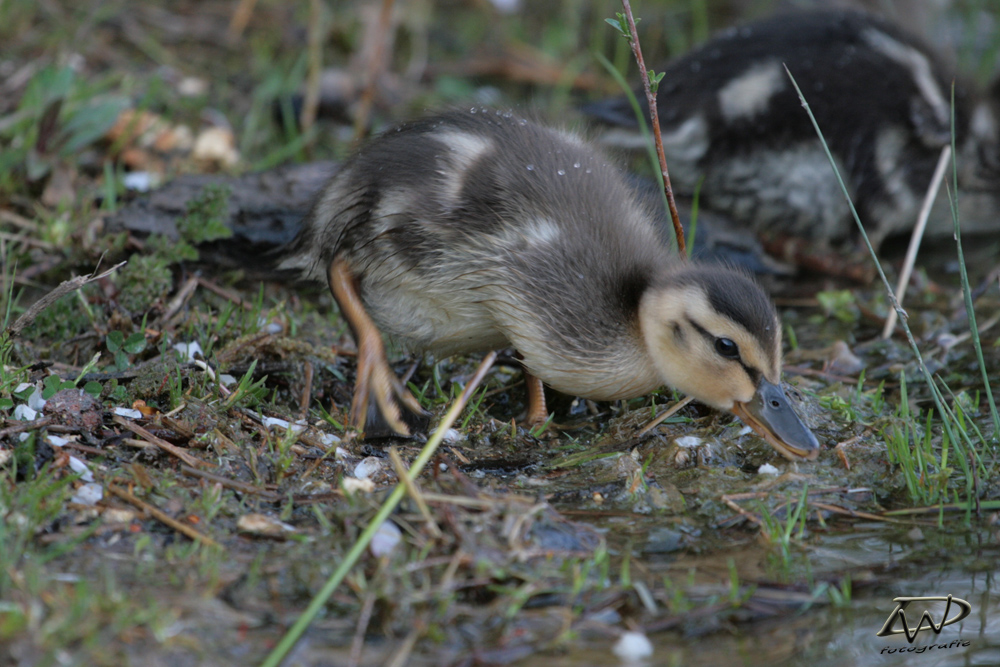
{"points": [[205, 219], [143, 281], [153, 380]]}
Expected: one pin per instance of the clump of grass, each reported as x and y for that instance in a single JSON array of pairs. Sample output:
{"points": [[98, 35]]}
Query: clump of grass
{"points": [[783, 533], [955, 433]]}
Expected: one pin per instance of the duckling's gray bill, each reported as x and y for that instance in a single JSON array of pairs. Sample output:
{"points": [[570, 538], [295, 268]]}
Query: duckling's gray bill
{"points": [[771, 416]]}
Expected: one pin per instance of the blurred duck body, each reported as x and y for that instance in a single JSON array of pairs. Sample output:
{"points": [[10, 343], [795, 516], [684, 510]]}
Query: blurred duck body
{"points": [[478, 230], [731, 119]]}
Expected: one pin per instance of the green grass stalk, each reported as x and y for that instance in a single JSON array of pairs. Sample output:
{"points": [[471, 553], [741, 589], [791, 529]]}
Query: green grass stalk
{"points": [[964, 273]]}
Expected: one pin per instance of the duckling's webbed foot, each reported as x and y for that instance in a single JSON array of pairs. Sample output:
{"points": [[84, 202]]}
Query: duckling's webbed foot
{"points": [[381, 404]]}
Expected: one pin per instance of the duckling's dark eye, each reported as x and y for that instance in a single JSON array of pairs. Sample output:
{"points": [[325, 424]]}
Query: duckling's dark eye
{"points": [[727, 348]]}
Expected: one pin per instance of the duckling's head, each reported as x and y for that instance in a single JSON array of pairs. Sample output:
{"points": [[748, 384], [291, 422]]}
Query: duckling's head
{"points": [[715, 335]]}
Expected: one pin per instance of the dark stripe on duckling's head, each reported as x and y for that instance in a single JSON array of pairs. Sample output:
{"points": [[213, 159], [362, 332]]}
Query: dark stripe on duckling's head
{"points": [[736, 296]]}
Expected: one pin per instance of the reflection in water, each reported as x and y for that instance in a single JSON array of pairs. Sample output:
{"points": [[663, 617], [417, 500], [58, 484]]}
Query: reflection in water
{"points": [[826, 636]]}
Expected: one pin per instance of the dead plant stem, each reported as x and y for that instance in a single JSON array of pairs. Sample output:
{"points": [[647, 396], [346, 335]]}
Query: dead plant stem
{"points": [[655, 122]]}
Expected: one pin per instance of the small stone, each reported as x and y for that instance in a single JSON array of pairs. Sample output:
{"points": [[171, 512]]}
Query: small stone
{"points": [[453, 435], [842, 361], [353, 485], [118, 515], [688, 441], [75, 408], [633, 647], [216, 145], [367, 467], [386, 539], [88, 494], [263, 525]]}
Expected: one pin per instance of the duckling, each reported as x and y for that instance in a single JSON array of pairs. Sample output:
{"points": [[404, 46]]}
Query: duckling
{"points": [[478, 230], [730, 115]]}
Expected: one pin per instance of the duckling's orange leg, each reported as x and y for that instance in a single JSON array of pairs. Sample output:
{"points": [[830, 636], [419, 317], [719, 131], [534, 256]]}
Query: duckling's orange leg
{"points": [[374, 377], [538, 413]]}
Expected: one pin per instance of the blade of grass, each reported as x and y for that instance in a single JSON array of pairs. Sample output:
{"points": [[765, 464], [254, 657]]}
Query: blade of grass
{"points": [[966, 290], [295, 632]]}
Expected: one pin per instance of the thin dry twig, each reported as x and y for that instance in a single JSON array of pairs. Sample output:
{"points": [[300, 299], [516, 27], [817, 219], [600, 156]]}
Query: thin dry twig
{"points": [[402, 655], [138, 444], [364, 618], [64, 288], [654, 119], [182, 296], [667, 414], [749, 516], [310, 104], [306, 397], [240, 19], [413, 490], [17, 220], [162, 444], [918, 235], [374, 69], [225, 294], [843, 511], [162, 517], [21, 427], [233, 484]]}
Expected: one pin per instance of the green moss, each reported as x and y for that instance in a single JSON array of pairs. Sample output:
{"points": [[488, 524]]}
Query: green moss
{"points": [[205, 219], [143, 281]]}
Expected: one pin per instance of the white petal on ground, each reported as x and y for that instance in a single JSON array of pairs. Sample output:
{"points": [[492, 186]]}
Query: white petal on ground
{"points": [[297, 427], [189, 350], [88, 494], [78, 466], [34, 399], [24, 413], [128, 412], [329, 439]]}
